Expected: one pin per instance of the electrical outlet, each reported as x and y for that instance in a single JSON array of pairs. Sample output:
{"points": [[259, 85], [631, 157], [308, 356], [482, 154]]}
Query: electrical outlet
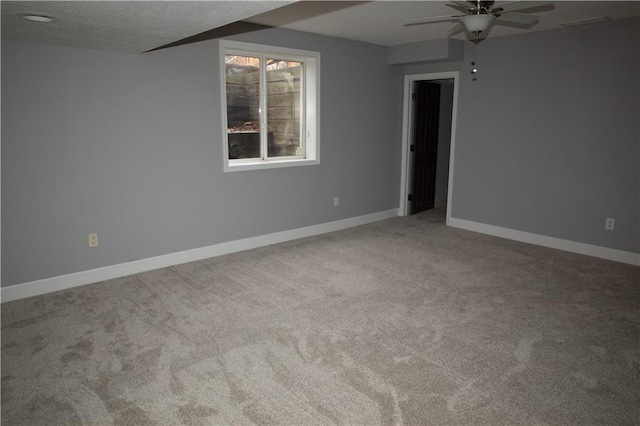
{"points": [[336, 201], [610, 224], [93, 240]]}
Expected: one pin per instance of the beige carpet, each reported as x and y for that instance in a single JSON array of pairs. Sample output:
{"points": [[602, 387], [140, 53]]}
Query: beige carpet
{"points": [[404, 321]]}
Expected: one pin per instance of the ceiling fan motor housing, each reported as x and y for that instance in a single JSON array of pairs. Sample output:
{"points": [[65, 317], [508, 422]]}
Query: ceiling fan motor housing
{"points": [[480, 7]]}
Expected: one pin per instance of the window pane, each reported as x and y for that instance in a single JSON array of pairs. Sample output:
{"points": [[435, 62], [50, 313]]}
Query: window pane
{"points": [[243, 106], [284, 108]]}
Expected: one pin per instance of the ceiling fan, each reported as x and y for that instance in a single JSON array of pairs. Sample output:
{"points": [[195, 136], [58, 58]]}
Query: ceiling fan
{"points": [[477, 16]]}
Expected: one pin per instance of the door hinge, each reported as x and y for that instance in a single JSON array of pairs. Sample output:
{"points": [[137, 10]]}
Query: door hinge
{"points": [[414, 96], [410, 197]]}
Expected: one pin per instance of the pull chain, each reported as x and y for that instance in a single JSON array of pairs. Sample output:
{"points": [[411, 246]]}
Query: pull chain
{"points": [[474, 69]]}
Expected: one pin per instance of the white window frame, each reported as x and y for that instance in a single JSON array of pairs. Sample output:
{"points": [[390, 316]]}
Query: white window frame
{"points": [[310, 119]]}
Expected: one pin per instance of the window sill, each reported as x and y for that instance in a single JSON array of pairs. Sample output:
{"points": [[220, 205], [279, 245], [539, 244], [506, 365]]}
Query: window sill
{"points": [[275, 164]]}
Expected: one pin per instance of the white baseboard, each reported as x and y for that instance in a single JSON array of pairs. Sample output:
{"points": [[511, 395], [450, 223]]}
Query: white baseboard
{"points": [[48, 285], [542, 240]]}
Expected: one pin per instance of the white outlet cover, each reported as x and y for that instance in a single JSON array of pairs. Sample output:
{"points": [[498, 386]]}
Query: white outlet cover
{"points": [[610, 224]]}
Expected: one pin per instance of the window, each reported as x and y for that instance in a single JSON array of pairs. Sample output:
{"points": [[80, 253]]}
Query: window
{"points": [[270, 106]]}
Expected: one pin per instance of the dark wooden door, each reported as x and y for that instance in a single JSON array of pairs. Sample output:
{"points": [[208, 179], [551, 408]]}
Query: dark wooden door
{"points": [[425, 145]]}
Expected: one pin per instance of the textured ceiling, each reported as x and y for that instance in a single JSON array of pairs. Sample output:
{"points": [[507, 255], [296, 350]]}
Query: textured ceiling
{"points": [[381, 22], [129, 26], [138, 26]]}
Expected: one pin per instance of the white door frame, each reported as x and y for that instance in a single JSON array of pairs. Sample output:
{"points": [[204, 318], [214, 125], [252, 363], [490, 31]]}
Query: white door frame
{"points": [[407, 125]]}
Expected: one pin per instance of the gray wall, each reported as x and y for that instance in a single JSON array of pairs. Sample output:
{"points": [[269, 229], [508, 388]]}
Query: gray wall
{"points": [[129, 146], [547, 139]]}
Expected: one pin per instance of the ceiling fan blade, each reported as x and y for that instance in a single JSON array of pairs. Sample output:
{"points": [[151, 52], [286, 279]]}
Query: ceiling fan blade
{"points": [[512, 6], [430, 19], [517, 18]]}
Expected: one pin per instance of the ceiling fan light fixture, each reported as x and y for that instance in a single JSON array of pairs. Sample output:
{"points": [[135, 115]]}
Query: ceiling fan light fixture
{"points": [[477, 23]]}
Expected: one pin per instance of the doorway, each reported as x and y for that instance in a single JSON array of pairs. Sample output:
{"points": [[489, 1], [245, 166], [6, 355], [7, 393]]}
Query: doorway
{"points": [[428, 142]]}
